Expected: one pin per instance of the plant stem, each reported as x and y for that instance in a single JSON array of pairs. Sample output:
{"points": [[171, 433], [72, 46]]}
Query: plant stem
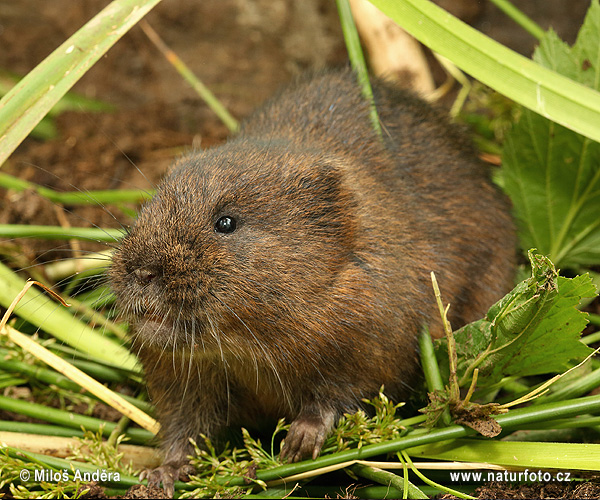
{"points": [[209, 98], [520, 18], [69, 419], [118, 430], [417, 419], [433, 378], [76, 197], [510, 420], [454, 393], [387, 479], [66, 268], [49, 377], [8, 381], [594, 337], [42, 429], [59, 233], [96, 367], [581, 385], [428, 481], [357, 59], [568, 423], [431, 370]]}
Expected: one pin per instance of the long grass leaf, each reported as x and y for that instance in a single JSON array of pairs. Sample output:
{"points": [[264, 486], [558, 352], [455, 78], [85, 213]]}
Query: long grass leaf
{"points": [[104, 393], [580, 456], [59, 233], [70, 419], [35, 95], [41, 311], [544, 91]]}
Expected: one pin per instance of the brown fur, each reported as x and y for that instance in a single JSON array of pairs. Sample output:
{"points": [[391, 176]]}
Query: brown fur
{"points": [[317, 298]]}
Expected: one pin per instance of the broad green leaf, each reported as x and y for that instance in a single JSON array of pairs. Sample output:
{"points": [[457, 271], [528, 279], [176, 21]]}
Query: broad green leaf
{"points": [[533, 330], [522, 80], [554, 343], [551, 173], [35, 95]]}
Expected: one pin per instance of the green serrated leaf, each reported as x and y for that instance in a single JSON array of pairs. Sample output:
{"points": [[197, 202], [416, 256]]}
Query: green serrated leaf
{"points": [[554, 344], [525, 306], [533, 330], [551, 173]]}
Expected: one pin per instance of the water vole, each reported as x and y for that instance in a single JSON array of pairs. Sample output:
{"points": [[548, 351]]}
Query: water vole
{"points": [[286, 273]]}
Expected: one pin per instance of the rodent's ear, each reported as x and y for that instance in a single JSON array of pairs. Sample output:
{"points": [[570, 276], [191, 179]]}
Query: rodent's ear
{"points": [[327, 202]]}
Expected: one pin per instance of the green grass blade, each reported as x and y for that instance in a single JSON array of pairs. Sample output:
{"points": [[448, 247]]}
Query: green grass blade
{"points": [[357, 59], [387, 478], [49, 377], [69, 419], [580, 456], [42, 429], [188, 75], [35, 95], [544, 91], [60, 233], [520, 18], [50, 316], [76, 197]]}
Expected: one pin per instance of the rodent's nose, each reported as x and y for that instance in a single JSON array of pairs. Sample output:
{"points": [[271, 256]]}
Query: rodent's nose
{"points": [[144, 276]]}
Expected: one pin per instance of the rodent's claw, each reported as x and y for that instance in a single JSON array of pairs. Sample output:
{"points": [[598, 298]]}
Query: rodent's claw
{"points": [[305, 438], [166, 474]]}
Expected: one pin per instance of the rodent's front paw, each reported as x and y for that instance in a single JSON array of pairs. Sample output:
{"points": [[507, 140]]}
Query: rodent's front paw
{"points": [[306, 437], [167, 474]]}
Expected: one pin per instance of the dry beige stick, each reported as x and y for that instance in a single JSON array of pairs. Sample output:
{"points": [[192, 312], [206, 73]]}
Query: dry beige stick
{"points": [[65, 268], [393, 53], [68, 370], [141, 457]]}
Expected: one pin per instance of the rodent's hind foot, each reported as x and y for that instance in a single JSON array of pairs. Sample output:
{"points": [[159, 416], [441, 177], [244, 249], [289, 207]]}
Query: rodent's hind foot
{"points": [[167, 474], [306, 436]]}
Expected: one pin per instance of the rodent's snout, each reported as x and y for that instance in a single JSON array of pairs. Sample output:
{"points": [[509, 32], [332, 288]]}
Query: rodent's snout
{"points": [[156, 273]]}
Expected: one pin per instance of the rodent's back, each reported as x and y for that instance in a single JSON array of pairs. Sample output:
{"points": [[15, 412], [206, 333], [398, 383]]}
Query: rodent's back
{"points": [[422, 192]]}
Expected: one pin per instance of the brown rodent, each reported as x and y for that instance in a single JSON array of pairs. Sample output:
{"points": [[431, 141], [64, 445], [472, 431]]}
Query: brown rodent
{"points": [[287, 272]]}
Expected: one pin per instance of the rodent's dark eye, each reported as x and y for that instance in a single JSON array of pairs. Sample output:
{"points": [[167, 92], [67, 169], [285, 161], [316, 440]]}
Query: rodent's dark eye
{"points": [[225, 225]]}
